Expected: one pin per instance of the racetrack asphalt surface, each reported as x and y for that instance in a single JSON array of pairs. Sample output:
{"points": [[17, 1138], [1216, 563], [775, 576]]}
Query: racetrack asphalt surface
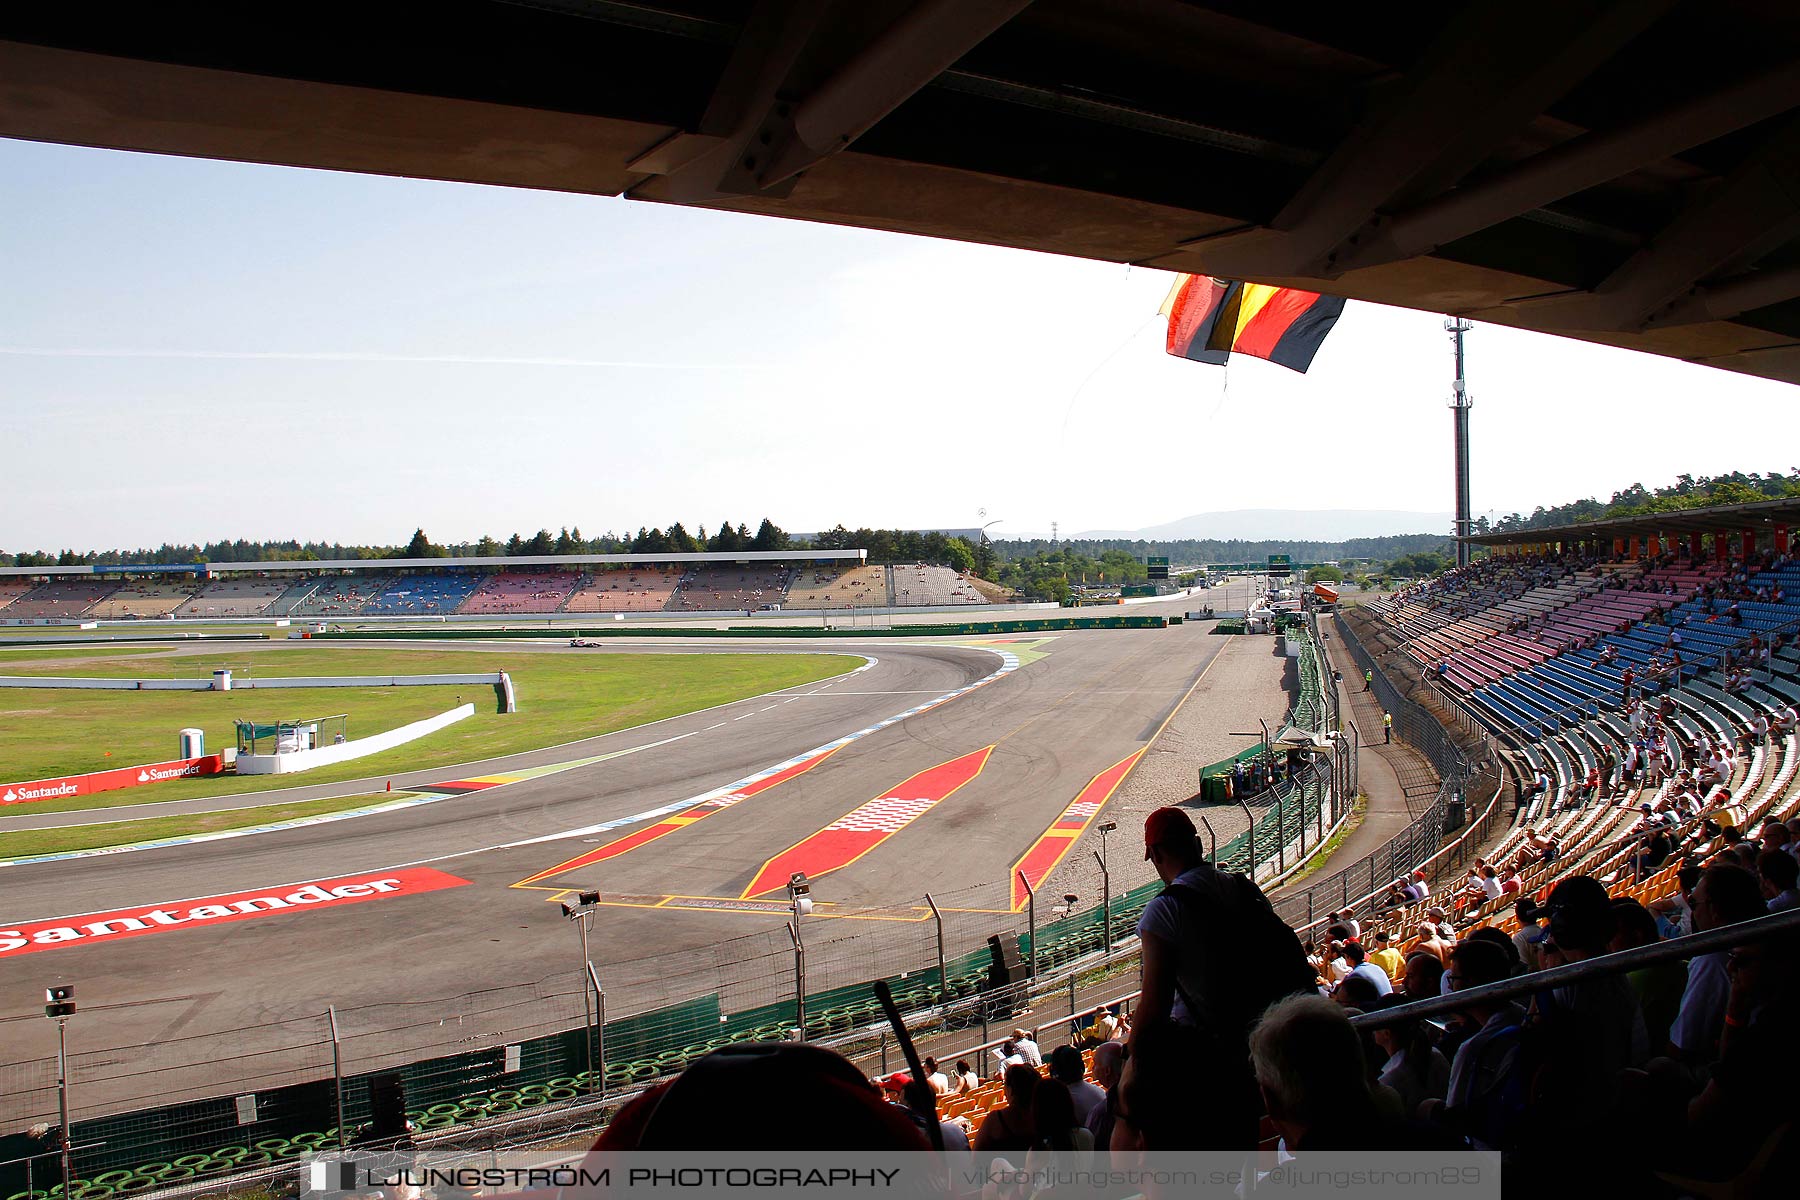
{"points": [[1094, 698]]}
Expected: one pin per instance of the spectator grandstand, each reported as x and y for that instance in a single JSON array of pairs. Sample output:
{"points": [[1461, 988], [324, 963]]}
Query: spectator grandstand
{"points": [[234, 597], [1608, 634], [721, 589], [140, 597], [829, 587], [627, 589], [328, 596], [916, 585], [12, 589], [62, 598], [522, 592], [1654, 821], [434, 594]]}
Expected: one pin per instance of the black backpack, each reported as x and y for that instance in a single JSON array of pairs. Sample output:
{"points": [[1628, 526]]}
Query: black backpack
{"points": [[1250, 958]]}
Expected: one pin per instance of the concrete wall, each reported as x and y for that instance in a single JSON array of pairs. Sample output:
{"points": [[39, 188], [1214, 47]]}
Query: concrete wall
{"points": [[306, 760], [239, 684]]}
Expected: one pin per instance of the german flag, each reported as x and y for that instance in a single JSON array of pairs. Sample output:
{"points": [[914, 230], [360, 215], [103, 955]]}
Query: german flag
{"points": [[1211, 319]]}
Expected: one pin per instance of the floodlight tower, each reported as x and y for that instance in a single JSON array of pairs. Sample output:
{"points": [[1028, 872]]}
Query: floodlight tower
{"points": [[1460, 403]]}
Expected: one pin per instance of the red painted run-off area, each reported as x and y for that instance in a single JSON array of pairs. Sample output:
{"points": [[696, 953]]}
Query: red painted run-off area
{"points": [[680, 820], [29, 937], [109, 781], [863, 828], [1060, 838]]}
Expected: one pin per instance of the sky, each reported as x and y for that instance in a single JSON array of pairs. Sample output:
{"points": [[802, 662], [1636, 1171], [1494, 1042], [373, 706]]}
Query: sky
{"points": [[194, 350]]}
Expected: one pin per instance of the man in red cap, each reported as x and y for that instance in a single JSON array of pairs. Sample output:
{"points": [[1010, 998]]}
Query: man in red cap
{"points": [[1214, 956]]}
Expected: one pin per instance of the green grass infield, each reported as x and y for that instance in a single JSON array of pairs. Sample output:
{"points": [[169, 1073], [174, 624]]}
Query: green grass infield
{"points": [[562, 698]]}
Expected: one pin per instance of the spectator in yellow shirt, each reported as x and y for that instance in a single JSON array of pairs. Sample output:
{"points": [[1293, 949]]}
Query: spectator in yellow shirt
{"points": [[1386, 957]]}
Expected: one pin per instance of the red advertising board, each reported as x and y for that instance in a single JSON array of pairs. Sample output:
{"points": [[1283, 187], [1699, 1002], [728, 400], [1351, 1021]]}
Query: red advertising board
{"points": [[108, 781], [29, 937]]}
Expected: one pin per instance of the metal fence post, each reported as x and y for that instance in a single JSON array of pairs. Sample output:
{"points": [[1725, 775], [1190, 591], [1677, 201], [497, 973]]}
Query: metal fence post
{"points": [[337, 1074], [62, 1097], [1280, 834], [799, 981], [599, 1068], [1251, 833], [943, 978], [1106, 902], [1031, 924]]}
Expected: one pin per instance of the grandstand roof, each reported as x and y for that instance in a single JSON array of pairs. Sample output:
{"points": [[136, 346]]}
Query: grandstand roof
{"points": [[1620, 173], [722, 558], [1723, 518]]}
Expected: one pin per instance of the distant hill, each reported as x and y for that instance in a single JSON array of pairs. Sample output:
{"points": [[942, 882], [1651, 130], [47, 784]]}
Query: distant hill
{"points": [[1277, 524]]}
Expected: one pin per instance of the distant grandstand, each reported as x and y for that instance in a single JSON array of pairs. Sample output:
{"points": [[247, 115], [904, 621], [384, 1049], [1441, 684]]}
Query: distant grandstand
{"points": [[1650, 661], [694, 584]]}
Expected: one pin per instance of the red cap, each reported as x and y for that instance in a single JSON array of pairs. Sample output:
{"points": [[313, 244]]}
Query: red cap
{"points": [[896, 1082], [1166, 826]]}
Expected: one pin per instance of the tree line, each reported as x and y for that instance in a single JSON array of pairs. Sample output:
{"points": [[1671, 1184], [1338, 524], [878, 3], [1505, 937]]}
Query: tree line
{"points": [[883, 545], [1199, 551], [1688, 491]]}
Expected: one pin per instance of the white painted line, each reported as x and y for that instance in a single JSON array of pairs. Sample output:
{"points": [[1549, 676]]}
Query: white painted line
{"points": [[1008, 664], [915, 692], [413, 797]]}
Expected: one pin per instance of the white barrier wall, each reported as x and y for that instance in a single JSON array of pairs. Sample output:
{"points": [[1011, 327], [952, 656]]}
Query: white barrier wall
{"points": [[306, 760], [239, 684]]}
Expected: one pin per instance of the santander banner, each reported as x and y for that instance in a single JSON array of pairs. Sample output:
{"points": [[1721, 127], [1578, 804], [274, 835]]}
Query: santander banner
{"points": [[28, 937], [109, 781]]}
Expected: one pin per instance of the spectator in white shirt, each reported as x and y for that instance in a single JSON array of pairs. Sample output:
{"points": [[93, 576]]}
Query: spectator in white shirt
{"points": [[940, 1083], [1028, 1049], [1067, 1068], [1725, 895], [1779, 872]]}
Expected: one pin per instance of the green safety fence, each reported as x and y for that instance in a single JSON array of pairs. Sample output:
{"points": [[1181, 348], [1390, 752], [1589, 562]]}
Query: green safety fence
{"points": [[1309, 710], [193, 1140], [177, 1142]]}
